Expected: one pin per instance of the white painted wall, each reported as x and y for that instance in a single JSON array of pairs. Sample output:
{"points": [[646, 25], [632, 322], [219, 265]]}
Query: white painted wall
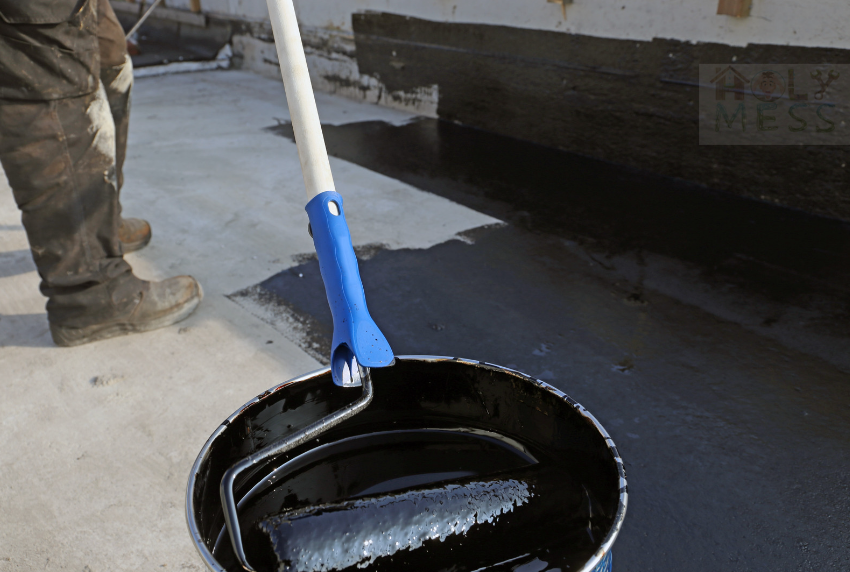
{"points": [[815, 23]]}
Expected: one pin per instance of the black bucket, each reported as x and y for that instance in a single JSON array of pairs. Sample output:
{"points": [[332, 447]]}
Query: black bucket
{"points": [[503, 409]]}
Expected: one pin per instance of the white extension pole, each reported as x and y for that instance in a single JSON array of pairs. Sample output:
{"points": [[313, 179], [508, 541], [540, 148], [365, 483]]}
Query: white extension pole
{"points": [[142, 20], [299, 94]]}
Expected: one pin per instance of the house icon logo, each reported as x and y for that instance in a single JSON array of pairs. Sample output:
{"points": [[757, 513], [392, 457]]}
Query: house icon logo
{"points": [[768, 86], [722, 85]]}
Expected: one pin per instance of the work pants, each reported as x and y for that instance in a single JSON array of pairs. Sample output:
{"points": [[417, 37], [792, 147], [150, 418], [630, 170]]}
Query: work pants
{"points": [[64, 161], [116, 75]]}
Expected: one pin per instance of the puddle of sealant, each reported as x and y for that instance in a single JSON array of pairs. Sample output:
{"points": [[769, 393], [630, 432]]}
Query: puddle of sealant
{"points": [[427, 499]]}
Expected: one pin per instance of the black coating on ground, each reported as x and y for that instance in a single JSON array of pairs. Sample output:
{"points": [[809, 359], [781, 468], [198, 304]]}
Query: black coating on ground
{"points": [[736, 448], [626, 101], [783, 253], [314, 335]]}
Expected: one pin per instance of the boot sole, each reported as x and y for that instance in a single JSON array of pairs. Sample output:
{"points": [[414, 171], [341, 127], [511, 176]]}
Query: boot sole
{"points": [[70, 337], [129, 247]]}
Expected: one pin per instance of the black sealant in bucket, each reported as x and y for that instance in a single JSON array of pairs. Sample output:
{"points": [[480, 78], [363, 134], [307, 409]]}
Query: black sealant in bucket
{"points": [[432, 421]]}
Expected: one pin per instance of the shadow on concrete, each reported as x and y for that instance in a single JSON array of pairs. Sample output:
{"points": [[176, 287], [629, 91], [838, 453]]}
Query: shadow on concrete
{"points": [[25, 331], [15, 263]]}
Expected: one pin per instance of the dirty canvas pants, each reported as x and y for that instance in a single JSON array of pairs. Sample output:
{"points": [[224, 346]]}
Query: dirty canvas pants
{"points": [[59, 157], [116, 75], [64, 161]]}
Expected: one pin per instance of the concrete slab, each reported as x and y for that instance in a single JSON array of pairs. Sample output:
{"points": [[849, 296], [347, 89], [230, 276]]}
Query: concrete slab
{"points": [[97, 441]]}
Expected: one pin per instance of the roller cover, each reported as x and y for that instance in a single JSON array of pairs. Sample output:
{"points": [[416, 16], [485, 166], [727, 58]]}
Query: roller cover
{"points": [[353, 326], [468, 524]]}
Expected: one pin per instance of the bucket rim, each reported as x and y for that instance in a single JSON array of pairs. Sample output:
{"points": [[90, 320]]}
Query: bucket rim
{"points": [[589, 566]]}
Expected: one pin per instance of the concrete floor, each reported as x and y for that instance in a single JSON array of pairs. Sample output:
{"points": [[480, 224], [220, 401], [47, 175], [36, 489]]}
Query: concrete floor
{"points": [[734, 427]]}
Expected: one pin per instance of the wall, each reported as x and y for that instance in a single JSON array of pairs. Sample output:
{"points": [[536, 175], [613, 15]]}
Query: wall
{"points": [[816, 23], [614, 80], [328, 32], [821, 23]]}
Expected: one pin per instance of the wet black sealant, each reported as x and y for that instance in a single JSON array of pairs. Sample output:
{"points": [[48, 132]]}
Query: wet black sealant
{"points": [[736, 446], [783, 253], [443, 501], [431, 427]]}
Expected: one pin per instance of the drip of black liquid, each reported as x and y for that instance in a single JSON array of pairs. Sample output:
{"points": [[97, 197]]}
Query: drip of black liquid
{"points": [[454, 500]]}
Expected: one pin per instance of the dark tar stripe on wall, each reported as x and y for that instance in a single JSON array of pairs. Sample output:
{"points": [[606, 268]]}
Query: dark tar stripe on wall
{"points": [[626, 101]]}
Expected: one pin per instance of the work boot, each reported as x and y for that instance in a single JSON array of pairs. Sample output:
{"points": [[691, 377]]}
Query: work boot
{"points": [[160, 304], [134, 234]]}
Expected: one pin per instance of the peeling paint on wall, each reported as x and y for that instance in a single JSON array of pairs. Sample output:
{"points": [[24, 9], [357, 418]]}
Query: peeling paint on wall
{"points": [[333, 69]]}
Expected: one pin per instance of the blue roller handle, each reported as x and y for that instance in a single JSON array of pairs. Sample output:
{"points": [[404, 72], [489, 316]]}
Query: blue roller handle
{"points": [[354, 330]]}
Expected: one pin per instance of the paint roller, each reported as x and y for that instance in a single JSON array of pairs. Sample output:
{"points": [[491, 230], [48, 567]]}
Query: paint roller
{"points": [[486, 517], [469, 524]]}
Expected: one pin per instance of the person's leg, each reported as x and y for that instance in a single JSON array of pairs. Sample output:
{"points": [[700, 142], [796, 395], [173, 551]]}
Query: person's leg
{"points": [[116, 75], [59, 157]]}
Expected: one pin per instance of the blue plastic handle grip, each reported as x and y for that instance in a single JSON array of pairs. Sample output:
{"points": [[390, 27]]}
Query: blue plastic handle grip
{"points": [[354, 329]]}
